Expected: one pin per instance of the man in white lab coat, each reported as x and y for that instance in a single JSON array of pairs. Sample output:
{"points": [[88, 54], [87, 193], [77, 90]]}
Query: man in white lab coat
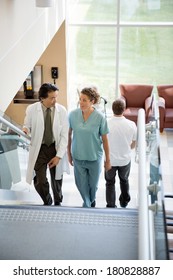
{"points": [[42, 155]]}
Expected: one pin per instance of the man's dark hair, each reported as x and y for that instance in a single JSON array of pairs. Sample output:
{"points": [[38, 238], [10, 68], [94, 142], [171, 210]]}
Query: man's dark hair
{"points": [[45, 89], [118, 106]]}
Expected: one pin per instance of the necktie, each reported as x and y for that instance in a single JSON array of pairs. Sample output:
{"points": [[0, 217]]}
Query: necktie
{"points": [[48, 134]]}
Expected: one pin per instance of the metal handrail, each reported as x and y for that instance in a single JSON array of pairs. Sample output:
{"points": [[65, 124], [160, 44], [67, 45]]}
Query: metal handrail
{"points": [[144, 238], [14, 128]]}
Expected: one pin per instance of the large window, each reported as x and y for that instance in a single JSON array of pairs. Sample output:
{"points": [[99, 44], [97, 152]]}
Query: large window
{"points": [[118, 41]]}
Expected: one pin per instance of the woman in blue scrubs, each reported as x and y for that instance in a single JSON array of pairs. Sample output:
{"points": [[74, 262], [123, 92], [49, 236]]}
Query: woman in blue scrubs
{"points": [[87, 139]]}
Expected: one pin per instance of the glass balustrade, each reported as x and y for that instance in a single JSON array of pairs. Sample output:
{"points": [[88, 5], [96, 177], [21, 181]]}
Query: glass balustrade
{"points": [[156, 190], [14, 147], [152, 231]]}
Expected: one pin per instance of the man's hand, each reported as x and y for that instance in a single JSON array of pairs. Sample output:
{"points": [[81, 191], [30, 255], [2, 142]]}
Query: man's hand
{"points": [[25, 130], [53, 162]]}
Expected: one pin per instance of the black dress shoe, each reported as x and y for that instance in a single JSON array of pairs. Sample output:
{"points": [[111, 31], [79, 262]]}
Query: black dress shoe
{"points": [[123, 204], [49, 202], [111, 206], [57, 203]]}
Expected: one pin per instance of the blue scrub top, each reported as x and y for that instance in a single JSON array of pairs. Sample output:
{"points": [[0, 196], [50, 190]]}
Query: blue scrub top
{"points": [[87, 141]]}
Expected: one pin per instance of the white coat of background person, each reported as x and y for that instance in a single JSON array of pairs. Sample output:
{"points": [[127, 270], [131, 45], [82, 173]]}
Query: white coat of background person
{"points": [[55, 155]]}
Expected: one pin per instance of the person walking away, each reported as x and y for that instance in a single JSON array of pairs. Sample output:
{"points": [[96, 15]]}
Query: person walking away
{"points": [[121, 139]]}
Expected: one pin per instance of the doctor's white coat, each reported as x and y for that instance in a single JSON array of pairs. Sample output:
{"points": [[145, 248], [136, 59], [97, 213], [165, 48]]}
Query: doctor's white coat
{"points": [[34, 122]]}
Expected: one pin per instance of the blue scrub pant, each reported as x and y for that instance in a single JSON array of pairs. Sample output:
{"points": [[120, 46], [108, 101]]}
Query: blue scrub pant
{"points": [[87, 175]]}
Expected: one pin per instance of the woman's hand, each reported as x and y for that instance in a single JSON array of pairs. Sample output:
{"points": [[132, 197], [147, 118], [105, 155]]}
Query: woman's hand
{"points": [[70, 159], [107, 165]]}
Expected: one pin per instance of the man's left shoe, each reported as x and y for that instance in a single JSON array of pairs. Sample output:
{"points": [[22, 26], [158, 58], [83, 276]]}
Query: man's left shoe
{"points": [[123, 204], [49, 202], [57, 204], [111, 206]]}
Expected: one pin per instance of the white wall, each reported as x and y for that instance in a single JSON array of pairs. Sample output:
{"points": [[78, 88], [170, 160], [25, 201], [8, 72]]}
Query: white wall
{"points": [[25, 32]]}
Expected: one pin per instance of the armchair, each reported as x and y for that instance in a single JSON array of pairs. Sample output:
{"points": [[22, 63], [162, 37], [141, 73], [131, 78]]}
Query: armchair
{"points": [[136, 96], [165, 105]]}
